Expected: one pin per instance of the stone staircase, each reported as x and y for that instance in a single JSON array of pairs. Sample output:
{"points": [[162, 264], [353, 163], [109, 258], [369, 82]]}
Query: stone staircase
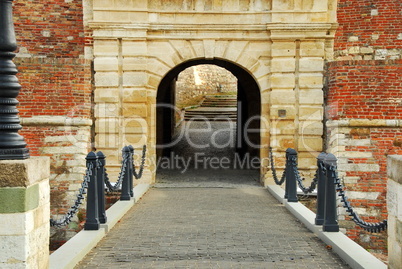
{"points": [[214, 108]]}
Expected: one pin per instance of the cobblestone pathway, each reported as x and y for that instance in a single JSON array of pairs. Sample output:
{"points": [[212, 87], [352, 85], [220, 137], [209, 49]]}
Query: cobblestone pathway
{"points": [[209, 218], [210, 228]]}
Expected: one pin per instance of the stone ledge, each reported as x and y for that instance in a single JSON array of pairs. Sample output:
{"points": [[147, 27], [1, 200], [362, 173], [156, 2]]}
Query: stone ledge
{"points": [[24, 173], [55, 121], [352, 253], [72, 252], [364, 123]]}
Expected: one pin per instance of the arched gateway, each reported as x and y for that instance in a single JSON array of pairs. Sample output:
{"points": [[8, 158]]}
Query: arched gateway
{"points": [[277, 48]]}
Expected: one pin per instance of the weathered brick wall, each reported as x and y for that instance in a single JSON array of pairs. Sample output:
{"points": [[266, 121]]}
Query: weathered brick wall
{"points": [[363, 112], [368, 30], [364, 89], [363, 107], [56, 88]]}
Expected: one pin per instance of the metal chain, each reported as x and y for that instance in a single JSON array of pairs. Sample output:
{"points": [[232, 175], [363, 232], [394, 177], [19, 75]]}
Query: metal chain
{"points": [[278, 182], [116, 186], [368, 226], [300, 180], [139, 175], [66, 219]]}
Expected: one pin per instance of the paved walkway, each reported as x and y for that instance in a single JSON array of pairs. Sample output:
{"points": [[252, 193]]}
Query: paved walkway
{"points": [[201, 217], [210, 228]]}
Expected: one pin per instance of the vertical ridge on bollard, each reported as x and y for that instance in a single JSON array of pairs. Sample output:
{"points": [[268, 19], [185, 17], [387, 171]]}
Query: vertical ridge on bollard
{"points": [[125, 188], [330, 214], [291, 177], [286, 174], [131, 165], [319, 219], [92, 218], [101, 187]]}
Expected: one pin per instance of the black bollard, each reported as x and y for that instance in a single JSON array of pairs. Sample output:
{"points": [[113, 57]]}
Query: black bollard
{"points": [[319, 218], [330, 213], [12, 144], [291, 177], [286, 169], [92, 219], [131, 161], [125, 186], [101, 187]]}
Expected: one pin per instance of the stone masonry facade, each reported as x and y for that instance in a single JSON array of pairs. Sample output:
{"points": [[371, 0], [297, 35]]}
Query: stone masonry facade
{"points": [[90, 73]]}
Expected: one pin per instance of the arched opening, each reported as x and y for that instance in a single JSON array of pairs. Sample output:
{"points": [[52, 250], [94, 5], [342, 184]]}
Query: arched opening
{"points": [[247, 124]]}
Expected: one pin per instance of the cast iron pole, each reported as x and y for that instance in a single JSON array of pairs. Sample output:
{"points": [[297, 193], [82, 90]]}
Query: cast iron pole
{"points": [[12, 144]]}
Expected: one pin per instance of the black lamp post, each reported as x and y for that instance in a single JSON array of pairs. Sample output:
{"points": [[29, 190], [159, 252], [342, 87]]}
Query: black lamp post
{"points": [[12, 145]]}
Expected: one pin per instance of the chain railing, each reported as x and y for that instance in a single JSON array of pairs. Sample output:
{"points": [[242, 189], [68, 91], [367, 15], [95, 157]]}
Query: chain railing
{"points": [[66, 219], [94, 183], [327, 183], [116, 187], [368, 226], [139, 175], [274, 175]]}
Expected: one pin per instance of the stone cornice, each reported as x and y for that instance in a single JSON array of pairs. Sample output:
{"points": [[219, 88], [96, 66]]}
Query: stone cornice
{"points": [[55, 121], [281, 26], [364, 123], [176, 27]]}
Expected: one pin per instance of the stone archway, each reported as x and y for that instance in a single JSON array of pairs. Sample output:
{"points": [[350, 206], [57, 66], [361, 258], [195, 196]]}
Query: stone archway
{"points": [[249, 108], [282, 45]]}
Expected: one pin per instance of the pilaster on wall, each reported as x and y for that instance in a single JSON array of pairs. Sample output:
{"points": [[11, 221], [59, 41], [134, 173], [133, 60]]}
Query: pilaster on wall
{"points": [[121, 98], [24, 213], [296, 107]]}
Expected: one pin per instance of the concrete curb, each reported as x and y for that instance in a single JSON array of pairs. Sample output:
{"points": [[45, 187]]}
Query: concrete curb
{"points": [[75, 249], [352, 253]]}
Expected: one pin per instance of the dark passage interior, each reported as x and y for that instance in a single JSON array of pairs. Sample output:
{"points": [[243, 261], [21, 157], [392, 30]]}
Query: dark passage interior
{"points": [[209, 145]]}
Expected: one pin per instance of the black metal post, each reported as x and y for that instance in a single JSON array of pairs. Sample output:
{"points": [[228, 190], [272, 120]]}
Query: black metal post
{"points": [[131, 161], [101, 187], [92, 219], [330, 213], [291, 177], [12, 144], [319, 218], [125, 185], [286, 169]]}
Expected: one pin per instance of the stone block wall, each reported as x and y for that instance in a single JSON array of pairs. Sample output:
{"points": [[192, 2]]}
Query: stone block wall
{"points": [[363, 111], [202, 80], [55, 98], [24, 213], [394, 200]]}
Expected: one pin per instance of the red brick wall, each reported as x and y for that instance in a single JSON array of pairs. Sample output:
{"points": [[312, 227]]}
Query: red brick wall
{"points": [[56, 81], [54, 86], [364, 83], [355, 19], [52, 28], [364, 89]]}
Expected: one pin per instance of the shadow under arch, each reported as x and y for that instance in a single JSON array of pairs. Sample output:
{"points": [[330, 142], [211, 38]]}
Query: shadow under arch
{"points": [[249, 107]]}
